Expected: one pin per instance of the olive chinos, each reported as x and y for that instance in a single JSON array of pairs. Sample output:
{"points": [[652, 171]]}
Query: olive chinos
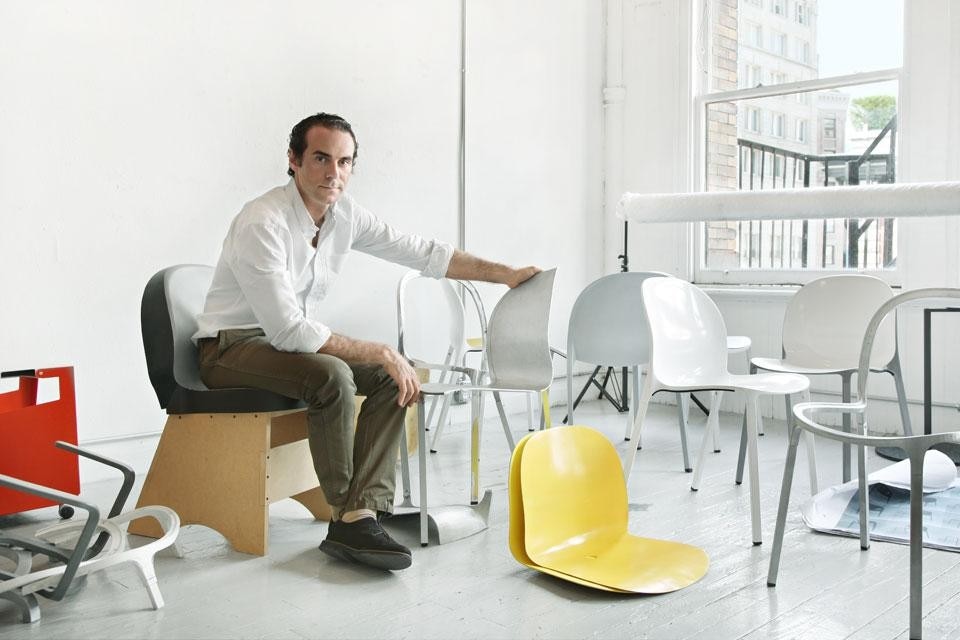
{"points": [[356, 469]]}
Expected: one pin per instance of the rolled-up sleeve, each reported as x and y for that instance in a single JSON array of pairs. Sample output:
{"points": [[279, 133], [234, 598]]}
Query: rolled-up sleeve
{"points": [[259, 264], [375, 237]]}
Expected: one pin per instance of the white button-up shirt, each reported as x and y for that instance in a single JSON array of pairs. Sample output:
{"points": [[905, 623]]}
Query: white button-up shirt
{"points": [[270, 276]]}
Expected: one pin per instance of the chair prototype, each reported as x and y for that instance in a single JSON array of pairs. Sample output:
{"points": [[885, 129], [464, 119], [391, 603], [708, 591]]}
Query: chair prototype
{"points": [[73, 549], [519, 360], [822, 328], [608, 326], [225, 454], [568, 518], [28, 427], [916, 448], [688, 352], [417, 342]]}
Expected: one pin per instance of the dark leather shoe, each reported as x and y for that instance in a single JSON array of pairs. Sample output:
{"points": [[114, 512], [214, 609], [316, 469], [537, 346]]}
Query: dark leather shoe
{"points": [[366, 542]]}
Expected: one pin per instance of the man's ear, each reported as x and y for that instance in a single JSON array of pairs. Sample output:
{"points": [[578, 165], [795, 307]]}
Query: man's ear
{"points": [[292, 160]]}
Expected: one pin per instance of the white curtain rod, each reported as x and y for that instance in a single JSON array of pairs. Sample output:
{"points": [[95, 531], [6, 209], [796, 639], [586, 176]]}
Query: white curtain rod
{"points": [[868, 201]]}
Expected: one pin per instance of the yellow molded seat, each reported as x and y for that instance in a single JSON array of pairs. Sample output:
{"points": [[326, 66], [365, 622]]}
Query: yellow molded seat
{"points": [[568, 518]]}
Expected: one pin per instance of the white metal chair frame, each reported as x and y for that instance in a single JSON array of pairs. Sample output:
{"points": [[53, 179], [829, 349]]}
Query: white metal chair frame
{"points": [[688, 352], [457, 350], [915, 446], [841, 337], [519, 360]]}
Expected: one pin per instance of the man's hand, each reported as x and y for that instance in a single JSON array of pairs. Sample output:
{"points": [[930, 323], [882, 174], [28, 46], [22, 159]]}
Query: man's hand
{"points": [[405, 376], [522, 275]]}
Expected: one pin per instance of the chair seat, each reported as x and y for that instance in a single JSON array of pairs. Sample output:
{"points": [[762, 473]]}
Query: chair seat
{"points": [[738, 344], [784, 366], [436, 388], [236, 400], [777, 383]]}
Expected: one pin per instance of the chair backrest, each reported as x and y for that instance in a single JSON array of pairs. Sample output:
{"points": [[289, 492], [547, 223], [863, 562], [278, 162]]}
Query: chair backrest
{"points": [[825, 321], [608, 324], [428, 306], [880, 318], [172, 299], [688, 338], [571, 488], [517, 344]]}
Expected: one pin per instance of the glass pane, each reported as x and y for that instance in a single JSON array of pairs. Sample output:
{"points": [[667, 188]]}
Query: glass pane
{"points": [[833, 138], [780, 41]]}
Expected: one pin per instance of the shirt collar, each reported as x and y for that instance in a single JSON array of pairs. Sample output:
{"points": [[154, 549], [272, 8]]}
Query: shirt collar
{"points": [[302, 217]]}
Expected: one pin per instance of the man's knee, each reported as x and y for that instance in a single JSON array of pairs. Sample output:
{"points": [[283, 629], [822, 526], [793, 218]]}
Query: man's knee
{"points": [[330, 380]]}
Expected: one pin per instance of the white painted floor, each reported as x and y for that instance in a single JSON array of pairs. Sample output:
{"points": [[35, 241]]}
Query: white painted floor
{"points": [[473, 588]]}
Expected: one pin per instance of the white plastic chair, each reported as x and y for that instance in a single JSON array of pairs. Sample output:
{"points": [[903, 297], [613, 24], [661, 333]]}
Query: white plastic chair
{"points": [[76, 548], [688, 352], [419, 295], [822, 329], [608, 326], [916, 448], [519, 360]]}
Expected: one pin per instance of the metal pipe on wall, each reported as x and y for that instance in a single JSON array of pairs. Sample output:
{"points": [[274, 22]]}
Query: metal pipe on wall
{"points": [[613, 105]]}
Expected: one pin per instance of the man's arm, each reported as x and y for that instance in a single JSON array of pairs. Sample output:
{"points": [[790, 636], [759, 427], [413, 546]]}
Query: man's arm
{"points": [[464, 266], [366, 352]]}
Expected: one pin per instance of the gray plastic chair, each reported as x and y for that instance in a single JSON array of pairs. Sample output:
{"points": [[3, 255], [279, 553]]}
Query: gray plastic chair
{"points": [[519, 360], [608, 326], [822, 328], [916, 447]]}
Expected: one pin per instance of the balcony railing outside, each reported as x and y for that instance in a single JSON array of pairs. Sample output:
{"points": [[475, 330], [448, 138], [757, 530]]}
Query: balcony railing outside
{"points": [[853, 243]]}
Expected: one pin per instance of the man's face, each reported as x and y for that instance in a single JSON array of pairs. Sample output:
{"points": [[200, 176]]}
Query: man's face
{"points": [[323, 172]]}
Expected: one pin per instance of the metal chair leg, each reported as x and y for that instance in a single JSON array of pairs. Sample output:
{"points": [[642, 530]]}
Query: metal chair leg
{"points": [[782, 510]]}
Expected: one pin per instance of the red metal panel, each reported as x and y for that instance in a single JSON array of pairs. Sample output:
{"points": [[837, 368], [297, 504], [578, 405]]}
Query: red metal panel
{"points": [[27, 433]]}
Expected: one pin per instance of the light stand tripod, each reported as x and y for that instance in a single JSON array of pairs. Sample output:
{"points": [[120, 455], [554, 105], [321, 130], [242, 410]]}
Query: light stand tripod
{"points": [[619, 398]]}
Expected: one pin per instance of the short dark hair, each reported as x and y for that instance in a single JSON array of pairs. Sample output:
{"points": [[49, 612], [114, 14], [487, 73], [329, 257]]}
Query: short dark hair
{"points": [[298, 136]]}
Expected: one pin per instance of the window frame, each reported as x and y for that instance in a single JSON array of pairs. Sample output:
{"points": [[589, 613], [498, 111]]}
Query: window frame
{"points": [[705, 275]]}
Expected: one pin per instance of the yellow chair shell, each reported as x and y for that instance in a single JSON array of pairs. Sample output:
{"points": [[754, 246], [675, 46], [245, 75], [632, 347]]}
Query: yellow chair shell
{"points": [[568, 518]]}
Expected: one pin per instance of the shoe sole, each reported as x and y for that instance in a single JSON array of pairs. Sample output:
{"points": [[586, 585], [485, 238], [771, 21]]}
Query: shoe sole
{"points": [[389, 560]]}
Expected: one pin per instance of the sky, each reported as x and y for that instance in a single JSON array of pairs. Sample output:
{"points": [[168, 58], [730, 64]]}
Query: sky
{"points": [[859, 35]]}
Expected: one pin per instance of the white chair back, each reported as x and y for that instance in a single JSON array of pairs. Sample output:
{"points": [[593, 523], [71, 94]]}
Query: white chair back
{"points": [[688, 338], [427, 310], [825, 322]]}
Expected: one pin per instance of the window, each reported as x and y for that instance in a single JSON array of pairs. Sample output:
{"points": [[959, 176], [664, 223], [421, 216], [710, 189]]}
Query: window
{"points": [[822, 109], [779, 125], [829, 127], [778, 43], [801, 130]]}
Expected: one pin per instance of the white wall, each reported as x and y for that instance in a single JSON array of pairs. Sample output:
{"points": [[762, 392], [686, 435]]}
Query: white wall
{"points": [[132, 132]]}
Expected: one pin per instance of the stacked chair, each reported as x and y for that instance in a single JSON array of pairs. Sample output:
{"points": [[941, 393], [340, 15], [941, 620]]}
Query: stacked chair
{"points": [[518, 358], [568, 518]]}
